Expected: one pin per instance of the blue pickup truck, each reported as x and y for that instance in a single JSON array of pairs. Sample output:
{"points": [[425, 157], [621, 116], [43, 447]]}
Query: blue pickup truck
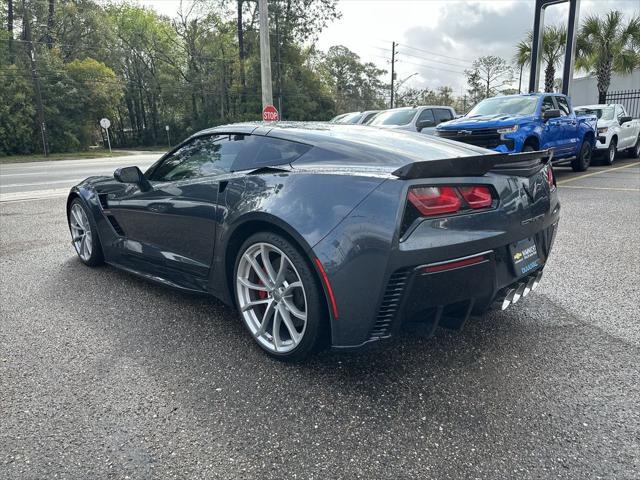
{"points": [[521, 123]]}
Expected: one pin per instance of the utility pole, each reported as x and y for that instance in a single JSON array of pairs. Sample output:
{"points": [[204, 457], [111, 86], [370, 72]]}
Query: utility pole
{"points": [[265, 54], [279, 67], [10, 30], [393, 72], [26, 19]]}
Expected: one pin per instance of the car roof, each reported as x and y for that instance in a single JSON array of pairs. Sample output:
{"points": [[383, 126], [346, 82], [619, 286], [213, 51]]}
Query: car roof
{"points": [[360, 144]]}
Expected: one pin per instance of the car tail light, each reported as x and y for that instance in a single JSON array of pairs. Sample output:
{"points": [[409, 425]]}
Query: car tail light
{"points": [[434, 200], [477, 196], [551, 180], [440, 200]]}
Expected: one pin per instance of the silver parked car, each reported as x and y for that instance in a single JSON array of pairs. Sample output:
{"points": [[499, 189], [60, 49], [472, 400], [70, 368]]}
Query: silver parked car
{"points": [[356, 118], [415, 119]]}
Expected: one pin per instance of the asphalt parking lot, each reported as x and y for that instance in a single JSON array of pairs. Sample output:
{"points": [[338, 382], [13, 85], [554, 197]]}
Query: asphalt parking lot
{"points": [[103, 375]]}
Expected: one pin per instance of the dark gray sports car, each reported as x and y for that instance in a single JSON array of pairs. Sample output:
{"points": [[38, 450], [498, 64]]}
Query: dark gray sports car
{"points": [[325, 234]]}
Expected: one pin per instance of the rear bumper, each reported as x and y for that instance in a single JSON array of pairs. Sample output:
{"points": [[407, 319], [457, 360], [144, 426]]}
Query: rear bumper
{"points": [[421, 301], [418, 299]]}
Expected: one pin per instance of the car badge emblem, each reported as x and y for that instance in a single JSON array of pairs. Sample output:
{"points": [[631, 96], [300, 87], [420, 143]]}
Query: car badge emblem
{"points": [[464, 132]]}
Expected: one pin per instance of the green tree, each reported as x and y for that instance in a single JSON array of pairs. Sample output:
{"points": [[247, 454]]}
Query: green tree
{"points": [[606, 45], [488, 74], [554, 39], [17, 113], [355, 85]]}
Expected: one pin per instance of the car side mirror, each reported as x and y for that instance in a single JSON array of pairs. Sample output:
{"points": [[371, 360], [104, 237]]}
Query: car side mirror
{"points": [[553, 113], [625, 119], [132, 175], [420, 124]]}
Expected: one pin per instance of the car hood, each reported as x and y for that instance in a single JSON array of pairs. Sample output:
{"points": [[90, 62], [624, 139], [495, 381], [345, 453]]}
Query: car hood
{"points": [[499, 120]]}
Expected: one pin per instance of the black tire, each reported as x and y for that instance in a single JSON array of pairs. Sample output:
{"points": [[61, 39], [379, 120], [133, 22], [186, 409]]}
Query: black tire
{"points": [[634, 152], [315, 334], [96, 257], [528, 148], [610, 155], [583, 160]]}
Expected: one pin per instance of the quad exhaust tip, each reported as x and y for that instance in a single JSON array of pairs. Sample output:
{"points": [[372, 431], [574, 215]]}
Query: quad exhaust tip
{"points": [[515, 293]]}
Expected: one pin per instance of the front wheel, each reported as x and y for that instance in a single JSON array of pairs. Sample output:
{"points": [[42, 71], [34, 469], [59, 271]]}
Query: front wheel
{"points": [[84, 235], [279, 298], [611, 152], [583, 160]]}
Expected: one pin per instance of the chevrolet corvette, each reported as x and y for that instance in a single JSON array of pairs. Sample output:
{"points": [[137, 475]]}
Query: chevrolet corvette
{"points": [[327, 235]]}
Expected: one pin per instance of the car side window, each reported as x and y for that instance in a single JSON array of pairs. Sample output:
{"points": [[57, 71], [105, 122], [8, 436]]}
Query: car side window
{"points": [[547, 104], [563, 105], [426, 115], [259, 151], [442, 115], [202, 156]]}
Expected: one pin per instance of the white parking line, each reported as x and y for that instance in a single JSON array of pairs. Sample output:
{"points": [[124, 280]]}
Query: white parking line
{"points": [[573, 179]]}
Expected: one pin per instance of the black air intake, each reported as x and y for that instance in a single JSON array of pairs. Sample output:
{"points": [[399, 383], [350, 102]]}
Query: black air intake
{"points": [[390, 303]]}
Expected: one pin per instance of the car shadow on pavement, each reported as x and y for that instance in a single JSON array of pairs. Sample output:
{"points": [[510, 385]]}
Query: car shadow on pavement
{"points": [[136, 313]]}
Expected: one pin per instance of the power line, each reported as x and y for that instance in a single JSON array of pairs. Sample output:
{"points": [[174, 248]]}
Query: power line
{"points": [[437, 54]]}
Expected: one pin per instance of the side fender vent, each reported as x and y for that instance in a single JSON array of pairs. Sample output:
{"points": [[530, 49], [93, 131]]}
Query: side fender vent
{"points": [[389, 304], [116, 226], [102, 197]]}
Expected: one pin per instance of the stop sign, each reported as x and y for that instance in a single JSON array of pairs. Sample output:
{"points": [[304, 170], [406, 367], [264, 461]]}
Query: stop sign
{"points": [[270, 114]]}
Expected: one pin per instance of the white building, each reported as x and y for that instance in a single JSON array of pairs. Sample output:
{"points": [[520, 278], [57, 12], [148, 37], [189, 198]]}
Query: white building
{"points": [[584, 90]]}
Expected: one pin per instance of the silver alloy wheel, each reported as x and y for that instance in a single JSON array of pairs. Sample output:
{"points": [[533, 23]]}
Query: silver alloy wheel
{"points": [[80, 232], [271, 297]]}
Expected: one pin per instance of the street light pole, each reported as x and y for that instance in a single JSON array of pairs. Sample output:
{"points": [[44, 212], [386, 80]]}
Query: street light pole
{"points": [[265, 54]]}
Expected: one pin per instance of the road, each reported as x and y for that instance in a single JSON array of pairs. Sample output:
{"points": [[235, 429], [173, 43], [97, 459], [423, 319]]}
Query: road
{"points": [[21, 181], [104, 375]]}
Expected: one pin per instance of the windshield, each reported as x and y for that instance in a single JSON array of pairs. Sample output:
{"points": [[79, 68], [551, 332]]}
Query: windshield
{"points": [[351, 118], [605, 113], [505, 106], [394, 117]]}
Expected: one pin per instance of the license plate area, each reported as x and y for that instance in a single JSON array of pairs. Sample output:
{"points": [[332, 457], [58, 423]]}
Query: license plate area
{"points": [[524, 256]]}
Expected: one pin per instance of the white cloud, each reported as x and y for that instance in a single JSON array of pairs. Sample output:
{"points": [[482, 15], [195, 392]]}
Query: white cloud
{"points": [[449, 34]]}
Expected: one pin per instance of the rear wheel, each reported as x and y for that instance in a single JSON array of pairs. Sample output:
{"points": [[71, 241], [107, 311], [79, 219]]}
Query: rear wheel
{"points": [[84, 235], [279, 298], [611, 152], [583, 160]]}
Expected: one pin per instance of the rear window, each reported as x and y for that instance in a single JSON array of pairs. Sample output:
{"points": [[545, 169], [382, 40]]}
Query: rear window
{"points": [[258, 151]]}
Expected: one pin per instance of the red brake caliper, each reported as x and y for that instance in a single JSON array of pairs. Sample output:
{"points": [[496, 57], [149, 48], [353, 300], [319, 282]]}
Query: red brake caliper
{"points": [[261, 294]]}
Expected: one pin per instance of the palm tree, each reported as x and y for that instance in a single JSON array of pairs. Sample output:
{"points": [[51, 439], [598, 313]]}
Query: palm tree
{"points": [[554, 40], [607, 45]]}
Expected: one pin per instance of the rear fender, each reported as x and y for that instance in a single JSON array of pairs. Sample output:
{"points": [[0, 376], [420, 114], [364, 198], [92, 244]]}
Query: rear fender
{"points": [[306, 206]]}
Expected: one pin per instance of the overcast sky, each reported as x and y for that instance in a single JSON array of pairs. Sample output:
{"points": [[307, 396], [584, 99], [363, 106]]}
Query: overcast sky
{"points": [[438, 39]]}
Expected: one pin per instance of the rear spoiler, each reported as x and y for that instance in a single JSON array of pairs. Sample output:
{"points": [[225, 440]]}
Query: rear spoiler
{"points": [[521, 164]]}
